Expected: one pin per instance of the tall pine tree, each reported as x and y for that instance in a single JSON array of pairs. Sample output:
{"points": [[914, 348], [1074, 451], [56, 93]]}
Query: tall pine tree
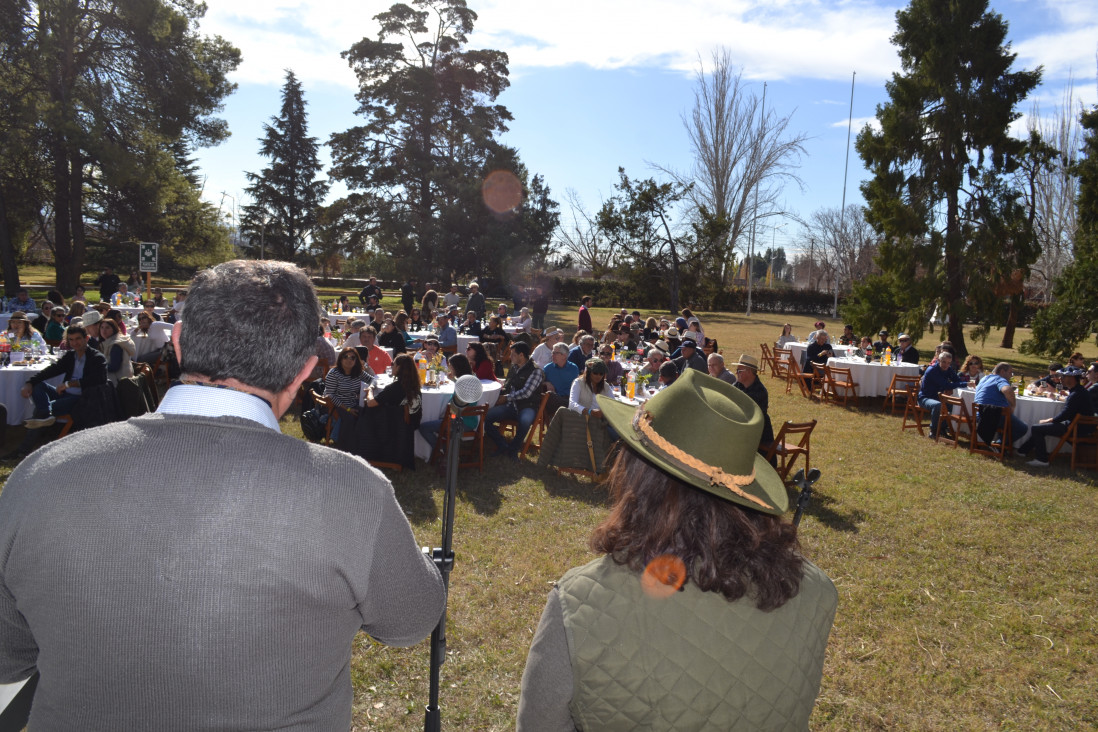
{"points": [[286, 195], [953, 230]]}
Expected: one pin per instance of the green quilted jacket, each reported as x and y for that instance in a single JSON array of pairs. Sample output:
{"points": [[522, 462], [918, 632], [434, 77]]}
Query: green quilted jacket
{"points": [[694, 660]]}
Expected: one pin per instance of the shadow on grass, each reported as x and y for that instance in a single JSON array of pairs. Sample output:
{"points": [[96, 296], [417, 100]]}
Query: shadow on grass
{"points": [[821, 508], [576, 488]]}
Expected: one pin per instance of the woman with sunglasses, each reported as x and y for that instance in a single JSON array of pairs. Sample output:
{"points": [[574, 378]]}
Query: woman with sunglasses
{"points": [[343, 385], [23, 334], [55, 329]]}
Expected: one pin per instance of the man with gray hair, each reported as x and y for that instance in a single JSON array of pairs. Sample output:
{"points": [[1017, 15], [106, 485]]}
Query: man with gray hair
{"points": [[995, 390], [717, 369], [226, 592], [354, 339], [582, 352]]}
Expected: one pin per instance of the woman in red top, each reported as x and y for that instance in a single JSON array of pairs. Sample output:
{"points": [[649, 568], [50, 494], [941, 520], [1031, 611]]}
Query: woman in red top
{"points": [[482, 365]]}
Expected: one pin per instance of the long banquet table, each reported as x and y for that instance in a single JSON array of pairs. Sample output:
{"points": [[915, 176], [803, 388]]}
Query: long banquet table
{"points": [[12, 379], [873, 379]]}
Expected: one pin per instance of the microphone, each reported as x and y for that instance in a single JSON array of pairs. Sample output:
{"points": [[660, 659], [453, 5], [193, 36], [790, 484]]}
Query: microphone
{"points": [[467, 390]]}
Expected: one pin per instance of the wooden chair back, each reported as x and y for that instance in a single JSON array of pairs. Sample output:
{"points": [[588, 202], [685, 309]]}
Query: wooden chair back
{"points": [[472, 441], [841, 382], [953, 421], [792, 440], [913, 413], [1082, 433], [768, 359], [1000, 445], [326, 403], [897, 390], [537, 429]]}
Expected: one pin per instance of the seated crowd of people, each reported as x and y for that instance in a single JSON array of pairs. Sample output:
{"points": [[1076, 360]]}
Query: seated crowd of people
{"points": [[568, 372], [98, 343]]}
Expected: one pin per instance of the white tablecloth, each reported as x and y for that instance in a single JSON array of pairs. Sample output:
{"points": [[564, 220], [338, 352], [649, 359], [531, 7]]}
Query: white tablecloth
{"points": [[797, 351], [12, 379], [873, 379], [1029, 409], [435, 399], [464, 341]]}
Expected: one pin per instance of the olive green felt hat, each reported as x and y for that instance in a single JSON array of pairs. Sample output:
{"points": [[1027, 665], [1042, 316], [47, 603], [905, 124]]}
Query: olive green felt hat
{"points": [[705, 432]]}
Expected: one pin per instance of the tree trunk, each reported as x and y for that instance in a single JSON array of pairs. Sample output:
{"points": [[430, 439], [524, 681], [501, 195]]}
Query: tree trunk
{"points": [[7, 252], [1012, 322], [62, 222], [954, 273]]}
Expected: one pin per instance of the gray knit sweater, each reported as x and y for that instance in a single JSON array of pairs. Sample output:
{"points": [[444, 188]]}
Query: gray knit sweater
{"points": [[187, 573]]}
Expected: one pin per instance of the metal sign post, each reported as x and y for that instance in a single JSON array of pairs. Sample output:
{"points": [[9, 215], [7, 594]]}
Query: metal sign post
{"points": [[148, 261]]}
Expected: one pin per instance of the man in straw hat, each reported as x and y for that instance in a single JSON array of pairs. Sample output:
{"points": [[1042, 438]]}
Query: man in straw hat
{"points": [[747, 380], [700, 579]]}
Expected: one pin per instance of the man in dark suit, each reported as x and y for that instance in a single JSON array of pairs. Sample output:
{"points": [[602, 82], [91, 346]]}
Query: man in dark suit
{"points": [[83, 368], [906, 352]]}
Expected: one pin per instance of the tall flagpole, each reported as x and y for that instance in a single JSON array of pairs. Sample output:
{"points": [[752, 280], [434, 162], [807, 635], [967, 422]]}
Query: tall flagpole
{"points": [[755, 218], [842, 210]]}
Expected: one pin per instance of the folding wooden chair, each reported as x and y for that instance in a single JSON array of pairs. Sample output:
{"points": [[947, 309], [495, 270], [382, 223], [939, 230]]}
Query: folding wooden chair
{"points": [[334, 416], [898, 389], [821, 386], [1000, 444], [842, 385], [472, 441], [781, 356], [792, 440], [768, 359], [1078, 441], [793, 374], [953, 416], [537, 428], [913, 413]]}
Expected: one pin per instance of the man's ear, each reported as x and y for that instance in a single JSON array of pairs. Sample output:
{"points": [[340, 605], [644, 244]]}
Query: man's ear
{"points": [[175, 342]]}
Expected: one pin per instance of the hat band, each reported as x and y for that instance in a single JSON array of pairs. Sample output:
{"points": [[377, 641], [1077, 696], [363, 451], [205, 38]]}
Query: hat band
{"points": [[686, 462]]}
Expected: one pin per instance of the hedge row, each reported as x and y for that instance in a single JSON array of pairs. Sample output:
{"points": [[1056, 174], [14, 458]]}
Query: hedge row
{"points": [[614, 293]]}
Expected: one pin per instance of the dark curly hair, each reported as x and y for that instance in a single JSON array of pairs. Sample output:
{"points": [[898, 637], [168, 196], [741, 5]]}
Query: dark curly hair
{"points": [[726, 548]]}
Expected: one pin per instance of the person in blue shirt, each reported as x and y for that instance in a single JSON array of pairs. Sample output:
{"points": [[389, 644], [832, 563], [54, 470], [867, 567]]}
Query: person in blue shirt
{"points": [[995, 390], [447, 336], [581, 353], [559, 375], [22, 303], [1077, 404], [937, 379]]}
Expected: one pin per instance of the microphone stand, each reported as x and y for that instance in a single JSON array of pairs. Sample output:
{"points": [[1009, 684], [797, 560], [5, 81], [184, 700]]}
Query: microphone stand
{"points": [[805, 484], [444, 560]]}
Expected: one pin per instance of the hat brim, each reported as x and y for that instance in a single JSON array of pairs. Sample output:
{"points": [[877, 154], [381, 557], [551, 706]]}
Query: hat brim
{"points": [[767, 485]]}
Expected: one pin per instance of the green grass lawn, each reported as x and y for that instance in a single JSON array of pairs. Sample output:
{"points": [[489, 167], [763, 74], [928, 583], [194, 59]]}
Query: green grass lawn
{"points": [[966, 587]]}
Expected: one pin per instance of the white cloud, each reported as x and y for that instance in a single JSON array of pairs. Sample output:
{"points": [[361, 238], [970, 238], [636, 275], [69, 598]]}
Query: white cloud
{"points": [[1061, 53], [859, 123], [772, 40]]}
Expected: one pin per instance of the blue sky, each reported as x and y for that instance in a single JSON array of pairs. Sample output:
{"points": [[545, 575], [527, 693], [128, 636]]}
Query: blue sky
{"points": [[598, 84]]}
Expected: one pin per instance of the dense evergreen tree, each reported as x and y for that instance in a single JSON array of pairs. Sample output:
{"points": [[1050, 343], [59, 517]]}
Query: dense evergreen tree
{"points": [[286, 195], [108, 77], [1073, 316], [953, 230], [417, 164]]}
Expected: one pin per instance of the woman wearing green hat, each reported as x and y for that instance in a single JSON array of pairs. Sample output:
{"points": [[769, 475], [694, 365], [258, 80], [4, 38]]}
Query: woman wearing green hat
{"points": [[701, 611]]}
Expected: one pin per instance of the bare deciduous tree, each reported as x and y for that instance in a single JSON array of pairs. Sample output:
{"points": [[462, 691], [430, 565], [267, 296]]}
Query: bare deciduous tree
{"points": [[743, 153], [583, 240], [844, 245], [1052, 195]]}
